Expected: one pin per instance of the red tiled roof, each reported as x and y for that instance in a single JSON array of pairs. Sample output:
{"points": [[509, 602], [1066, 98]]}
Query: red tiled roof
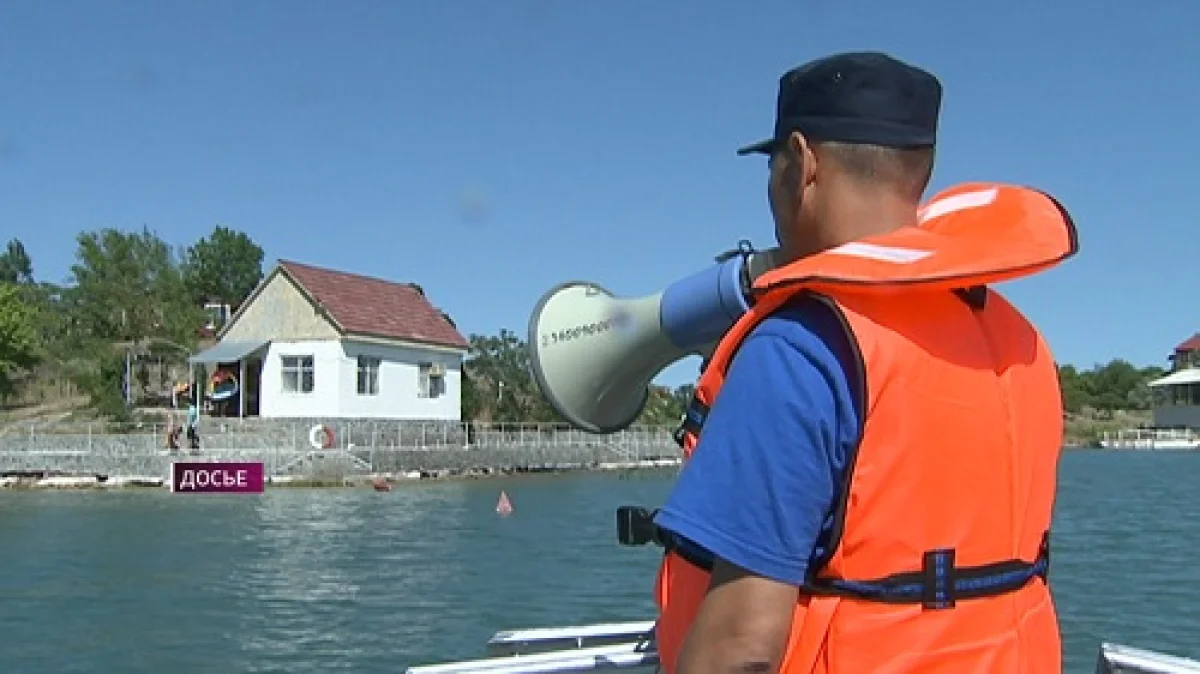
{"points": [[1190, 344], [372, 306]]}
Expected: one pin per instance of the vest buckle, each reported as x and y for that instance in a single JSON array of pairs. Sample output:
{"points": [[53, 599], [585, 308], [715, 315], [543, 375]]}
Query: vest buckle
{"points": [[692, 422], [680, 433], [937, 572]]}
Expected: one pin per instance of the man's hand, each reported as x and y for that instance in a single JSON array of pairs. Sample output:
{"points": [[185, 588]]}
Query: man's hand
{"points": [[742, 625]]}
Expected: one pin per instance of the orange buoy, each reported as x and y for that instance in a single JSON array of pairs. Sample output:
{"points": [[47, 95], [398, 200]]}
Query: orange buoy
{"points": [[504, 506]]}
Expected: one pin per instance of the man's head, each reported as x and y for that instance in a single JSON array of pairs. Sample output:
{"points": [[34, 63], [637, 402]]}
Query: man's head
{"points": [[852, 150]]}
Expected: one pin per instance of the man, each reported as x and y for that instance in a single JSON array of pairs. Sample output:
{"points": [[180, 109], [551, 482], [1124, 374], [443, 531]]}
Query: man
{"points": [[193, 425], [872, 487]]}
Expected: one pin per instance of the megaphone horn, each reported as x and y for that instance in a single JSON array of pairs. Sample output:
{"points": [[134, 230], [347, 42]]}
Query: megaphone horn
{"points": [[593, 355]]}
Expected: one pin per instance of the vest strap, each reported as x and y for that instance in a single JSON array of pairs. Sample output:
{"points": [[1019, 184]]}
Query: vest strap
{"points": [[693, 420], [939, 584]]}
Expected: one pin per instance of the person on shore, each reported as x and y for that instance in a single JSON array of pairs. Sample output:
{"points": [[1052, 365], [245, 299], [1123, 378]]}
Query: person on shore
{"points": [[872, 449], [174, 430], [193, 425]]}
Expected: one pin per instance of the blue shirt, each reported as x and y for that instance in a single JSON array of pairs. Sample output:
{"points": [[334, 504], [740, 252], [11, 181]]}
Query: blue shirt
{"points": [[759, 491]]}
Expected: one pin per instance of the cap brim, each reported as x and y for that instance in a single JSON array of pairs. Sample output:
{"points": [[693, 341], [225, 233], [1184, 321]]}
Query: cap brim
{"points": [[762, 147]]}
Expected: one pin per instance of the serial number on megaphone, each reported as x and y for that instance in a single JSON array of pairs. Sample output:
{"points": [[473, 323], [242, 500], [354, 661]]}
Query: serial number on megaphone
{"points": [[568, 334]]}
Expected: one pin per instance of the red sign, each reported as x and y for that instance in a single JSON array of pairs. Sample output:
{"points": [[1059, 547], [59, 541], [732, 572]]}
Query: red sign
{"points": [[217, 477]]}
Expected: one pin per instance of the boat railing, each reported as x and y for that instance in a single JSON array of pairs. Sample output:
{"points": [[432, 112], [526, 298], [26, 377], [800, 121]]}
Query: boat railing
{"points": [[1153, 434], [1151, 438]]}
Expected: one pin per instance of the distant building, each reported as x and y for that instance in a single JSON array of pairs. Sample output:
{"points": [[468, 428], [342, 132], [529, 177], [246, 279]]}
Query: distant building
{"points": [[1177, 395], [313, 342]]}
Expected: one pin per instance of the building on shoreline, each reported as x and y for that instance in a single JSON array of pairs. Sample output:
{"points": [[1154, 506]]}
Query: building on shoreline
{"points": [[1176, 407], [1177, 395], [314, 342]]}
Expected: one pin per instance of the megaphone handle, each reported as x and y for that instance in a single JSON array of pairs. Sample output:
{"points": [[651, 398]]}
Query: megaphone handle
{"points": [[755, 263], [745, 277], [746, 250], [743, 248]]}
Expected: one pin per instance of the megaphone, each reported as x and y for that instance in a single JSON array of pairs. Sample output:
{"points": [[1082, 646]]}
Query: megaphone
{"points": [[593, 355]]}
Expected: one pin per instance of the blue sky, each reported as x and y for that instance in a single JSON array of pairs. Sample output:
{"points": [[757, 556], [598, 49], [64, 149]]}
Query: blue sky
{"points": [[489, 149]]}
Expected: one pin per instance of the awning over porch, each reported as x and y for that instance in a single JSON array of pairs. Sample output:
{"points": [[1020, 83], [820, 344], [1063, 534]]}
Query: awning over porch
{"points": [[1188, 376], [227, 352]]}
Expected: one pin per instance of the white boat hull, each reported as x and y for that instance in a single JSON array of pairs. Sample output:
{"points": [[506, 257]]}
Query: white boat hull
{"points": [[576, 648], [1117, 659], [630, 645]]}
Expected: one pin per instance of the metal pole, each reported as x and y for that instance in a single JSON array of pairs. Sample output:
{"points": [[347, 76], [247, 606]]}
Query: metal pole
{"points": [[128, 380], [242, 388]]}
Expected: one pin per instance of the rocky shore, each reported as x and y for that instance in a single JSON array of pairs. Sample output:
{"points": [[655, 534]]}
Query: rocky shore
{"points": [[44, 480]]}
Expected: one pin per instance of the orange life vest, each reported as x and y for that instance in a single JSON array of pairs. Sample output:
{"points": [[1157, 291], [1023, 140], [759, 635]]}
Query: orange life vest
{"points": [[941, 538]]}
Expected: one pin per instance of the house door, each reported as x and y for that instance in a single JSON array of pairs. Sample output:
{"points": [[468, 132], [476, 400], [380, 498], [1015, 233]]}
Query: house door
{"points": [[253, 386]]}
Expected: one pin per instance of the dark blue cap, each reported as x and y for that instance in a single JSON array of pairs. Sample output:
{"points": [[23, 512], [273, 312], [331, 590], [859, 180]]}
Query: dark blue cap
{"points": [[859, 97]]}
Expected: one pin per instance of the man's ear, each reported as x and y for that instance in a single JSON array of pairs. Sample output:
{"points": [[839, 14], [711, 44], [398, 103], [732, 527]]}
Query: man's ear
{"points": [[801, 151]]}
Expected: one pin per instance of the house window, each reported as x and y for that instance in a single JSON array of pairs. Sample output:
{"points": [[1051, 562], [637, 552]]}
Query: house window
{"points": [[297, 374], [368, 376], [431, 380]]}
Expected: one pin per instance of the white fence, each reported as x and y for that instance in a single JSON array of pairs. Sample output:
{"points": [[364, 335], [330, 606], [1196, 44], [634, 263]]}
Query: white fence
{"points": [[1152, 438], [358, 446]]}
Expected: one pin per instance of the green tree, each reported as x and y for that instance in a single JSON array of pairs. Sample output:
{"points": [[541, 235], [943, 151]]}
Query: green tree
{"points": [[665, 406], [1110, 385], [683, 396], [472, 398], [1141, 397], [104, 382], [128, 287], [54, 319], [41, 299], [223, 267], [18, 337], [1117, 385], [15, 265], [1074, 390], [500, 386]]}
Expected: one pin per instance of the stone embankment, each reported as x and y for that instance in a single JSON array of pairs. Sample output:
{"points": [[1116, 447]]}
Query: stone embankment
{"points": [[358, 447], [44, 481], [40, 480], [61, 457]]}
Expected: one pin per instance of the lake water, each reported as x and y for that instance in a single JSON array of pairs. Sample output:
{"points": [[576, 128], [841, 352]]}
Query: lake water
{"points": [[353, 580]]}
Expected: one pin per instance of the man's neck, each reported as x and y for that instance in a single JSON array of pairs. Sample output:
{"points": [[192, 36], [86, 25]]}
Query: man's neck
{"points": [[860, 215]]}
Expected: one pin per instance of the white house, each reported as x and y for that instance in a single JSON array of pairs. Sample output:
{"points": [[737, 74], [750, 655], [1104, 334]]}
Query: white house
{"points": [[312, 342]]}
